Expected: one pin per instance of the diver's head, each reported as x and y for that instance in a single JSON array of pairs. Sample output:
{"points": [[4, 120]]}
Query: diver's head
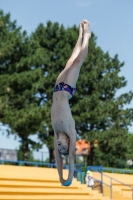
{"points": [[63, 144]]}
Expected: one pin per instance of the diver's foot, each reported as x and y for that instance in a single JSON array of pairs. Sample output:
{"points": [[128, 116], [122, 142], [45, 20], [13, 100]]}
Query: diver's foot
{"points": [[86, 26], [81, 29]]}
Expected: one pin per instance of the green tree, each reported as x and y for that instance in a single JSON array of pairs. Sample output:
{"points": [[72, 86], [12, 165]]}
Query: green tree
{"points": [[29, 67], [21, 156], [98, 113], [21, 75], [130, 147]]}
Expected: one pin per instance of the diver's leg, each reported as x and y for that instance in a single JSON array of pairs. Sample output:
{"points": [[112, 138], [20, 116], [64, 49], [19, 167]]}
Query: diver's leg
{"points": [[73, 71], [74, 55]]}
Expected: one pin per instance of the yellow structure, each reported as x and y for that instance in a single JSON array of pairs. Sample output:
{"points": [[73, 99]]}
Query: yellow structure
{"points": [[119, 191], [33, 183]]}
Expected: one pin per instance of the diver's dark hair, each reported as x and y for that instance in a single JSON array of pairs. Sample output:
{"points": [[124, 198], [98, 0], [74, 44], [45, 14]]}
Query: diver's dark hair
{"points": [[65, 154]]}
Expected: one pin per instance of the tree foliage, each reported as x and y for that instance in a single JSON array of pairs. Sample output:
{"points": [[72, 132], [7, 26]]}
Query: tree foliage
{"points": [[29, 66], [20, 77], [98, 113], [130, 147]]}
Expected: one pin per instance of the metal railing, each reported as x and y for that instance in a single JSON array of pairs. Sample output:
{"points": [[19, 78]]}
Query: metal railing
{"points": [[21, 163], [110, 169], [111, 185], [95, 168], [102, 188], [100, 182], [100, 170], [113, 170], [78, 167]]}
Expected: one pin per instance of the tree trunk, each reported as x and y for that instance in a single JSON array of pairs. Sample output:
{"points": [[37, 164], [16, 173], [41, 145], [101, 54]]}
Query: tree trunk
{"points": [[92, 156], [25, 150], [51, 147], [51, 155]]}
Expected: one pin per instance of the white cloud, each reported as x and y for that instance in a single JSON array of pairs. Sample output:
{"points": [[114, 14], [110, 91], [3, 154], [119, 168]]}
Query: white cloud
{"points": [[84, 3]]}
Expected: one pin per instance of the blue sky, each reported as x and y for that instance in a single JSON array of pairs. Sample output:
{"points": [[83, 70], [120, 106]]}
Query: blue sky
{"points": [[111, 21]]}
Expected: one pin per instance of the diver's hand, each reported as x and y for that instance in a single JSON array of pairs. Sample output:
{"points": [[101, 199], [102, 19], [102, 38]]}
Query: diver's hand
{"points": [[67, 182], [62, 181]]}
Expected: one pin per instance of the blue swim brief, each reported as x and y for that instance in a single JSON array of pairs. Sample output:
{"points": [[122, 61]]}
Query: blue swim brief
{"points": [[64, 87]]}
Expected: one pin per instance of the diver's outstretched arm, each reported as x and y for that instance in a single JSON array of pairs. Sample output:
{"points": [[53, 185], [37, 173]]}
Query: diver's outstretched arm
{"points": [[71, 158], [72, 148], [58, 158]]}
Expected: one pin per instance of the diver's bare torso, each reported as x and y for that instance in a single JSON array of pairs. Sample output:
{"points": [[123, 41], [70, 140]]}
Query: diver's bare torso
{"points": [[61, 116]]}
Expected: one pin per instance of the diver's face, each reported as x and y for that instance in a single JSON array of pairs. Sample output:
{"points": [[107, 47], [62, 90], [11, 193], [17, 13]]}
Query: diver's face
{"points": [[63, 145]]}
